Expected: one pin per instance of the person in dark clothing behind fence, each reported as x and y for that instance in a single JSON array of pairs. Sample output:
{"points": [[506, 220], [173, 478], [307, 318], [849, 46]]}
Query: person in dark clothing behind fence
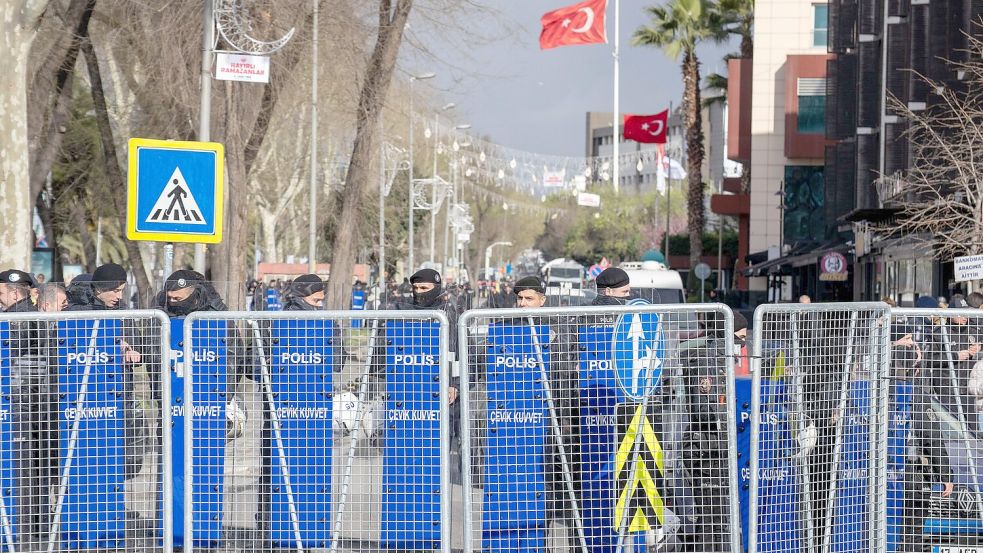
{"points": [[15, 292], [564, 369], [925, 455], [33, 368], [305, 293], [704, 444], [186, 292]]}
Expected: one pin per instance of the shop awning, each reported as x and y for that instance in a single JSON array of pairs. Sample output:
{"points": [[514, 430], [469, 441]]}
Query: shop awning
{"points": [[798, 256]]}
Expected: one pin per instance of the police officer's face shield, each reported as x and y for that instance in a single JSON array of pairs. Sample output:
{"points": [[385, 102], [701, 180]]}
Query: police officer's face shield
{"points": [[11, 294]]}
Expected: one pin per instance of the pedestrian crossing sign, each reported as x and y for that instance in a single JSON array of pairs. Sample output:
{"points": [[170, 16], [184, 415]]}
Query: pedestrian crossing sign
{"points": [[175, 191]]}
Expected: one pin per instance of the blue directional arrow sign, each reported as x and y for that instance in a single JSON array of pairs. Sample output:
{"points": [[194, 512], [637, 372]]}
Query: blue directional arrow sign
{"points": [[638, 352], [174, 191]]}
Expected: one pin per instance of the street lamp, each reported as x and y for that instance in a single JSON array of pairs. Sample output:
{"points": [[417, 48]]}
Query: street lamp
{"points": [[436, 143], [450, 205], [413, 79], [488, 250]]}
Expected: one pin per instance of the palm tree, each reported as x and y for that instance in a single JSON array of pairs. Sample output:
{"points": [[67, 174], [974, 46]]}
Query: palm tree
{"points": [[678, 27], [738, 16]]}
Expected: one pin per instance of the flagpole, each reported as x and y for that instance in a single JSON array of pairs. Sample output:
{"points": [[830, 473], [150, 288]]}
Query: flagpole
{"points": [[668, 183], [616, 122]]}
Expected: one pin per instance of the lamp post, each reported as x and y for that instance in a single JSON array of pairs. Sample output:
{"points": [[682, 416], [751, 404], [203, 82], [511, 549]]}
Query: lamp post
{"points": [[312, 222], [488, 250], [450, 205], [436, 143], [413, 78]]}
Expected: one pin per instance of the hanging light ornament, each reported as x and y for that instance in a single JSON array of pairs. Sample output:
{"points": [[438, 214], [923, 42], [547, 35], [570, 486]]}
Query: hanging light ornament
{"points": [[640, 165], [501, 173], [456, 146], [512, 163], [481, 157], [427, 132]]}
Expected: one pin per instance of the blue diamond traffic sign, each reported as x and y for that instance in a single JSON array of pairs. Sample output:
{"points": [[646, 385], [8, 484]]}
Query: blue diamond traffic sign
{"points": [[175, 191], [638, 352]]}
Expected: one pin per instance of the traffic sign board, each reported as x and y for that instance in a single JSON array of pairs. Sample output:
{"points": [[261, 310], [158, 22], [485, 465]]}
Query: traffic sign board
{"points": [[174, 191], [639, 469], [638, 350]]}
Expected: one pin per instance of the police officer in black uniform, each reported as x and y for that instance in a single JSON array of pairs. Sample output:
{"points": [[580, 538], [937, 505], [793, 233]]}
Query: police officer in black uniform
{"points": [[186, 292], [32, 373], [530, 293], [305, 293]]}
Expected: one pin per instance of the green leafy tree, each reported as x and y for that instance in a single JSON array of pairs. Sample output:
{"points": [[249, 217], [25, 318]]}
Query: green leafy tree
{"points": [[678, 27]]}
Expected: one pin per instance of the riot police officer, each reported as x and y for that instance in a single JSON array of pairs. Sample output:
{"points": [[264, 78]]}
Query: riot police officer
{"points": [[32, 372], [15, 292], [305, 293]]}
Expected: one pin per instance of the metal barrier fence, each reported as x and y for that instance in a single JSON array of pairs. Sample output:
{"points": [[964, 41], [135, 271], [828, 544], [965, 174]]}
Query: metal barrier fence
{"points": [[314, 430], [599, 429], [578, 429], [934, 454], [817, 448], [81, 432]]}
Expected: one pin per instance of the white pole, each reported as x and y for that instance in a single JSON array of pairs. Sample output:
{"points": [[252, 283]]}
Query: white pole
{"points": [[311, 232], [616, 122], [411, 262], [205, 109], [382, 204], [433, 188]]}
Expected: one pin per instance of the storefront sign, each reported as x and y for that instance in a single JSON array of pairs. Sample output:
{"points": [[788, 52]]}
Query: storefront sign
{"points": [[833, 268]]}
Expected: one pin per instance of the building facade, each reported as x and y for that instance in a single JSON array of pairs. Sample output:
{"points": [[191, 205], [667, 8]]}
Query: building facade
{"points": [[789, 233], [878, 49]]}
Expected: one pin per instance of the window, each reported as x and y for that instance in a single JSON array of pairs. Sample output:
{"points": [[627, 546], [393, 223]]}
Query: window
{"points": [[820, 25], [812, 106]]}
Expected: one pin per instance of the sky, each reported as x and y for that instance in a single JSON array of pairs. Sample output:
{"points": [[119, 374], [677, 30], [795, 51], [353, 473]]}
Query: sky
{"points": [[533, 100]]}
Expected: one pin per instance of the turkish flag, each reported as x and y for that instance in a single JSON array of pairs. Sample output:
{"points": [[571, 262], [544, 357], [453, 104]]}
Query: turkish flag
{"points": [[647, 128], [581, 23]]}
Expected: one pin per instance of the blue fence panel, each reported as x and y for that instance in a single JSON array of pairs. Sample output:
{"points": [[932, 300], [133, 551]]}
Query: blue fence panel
{"points": [[599, 399], [8, 499], [780, 526], [515, 481], [302, 359], [851, 512], [411, 457], [91, 425], [743, 388], [208, 363]]}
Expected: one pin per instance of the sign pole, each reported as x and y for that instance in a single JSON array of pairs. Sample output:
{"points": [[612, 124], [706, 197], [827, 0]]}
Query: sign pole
{"points": [[205, 107], [168, 263]]}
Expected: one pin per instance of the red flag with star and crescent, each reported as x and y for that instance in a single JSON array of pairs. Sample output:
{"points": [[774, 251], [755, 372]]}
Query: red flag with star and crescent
{"points": [[650, 129], [581, 23]]}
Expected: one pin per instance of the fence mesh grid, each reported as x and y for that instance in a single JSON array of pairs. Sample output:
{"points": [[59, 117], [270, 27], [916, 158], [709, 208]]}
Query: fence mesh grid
{"points": [[80, 432], [819, 388], [316, 432], [934, 454], [599, 429]]}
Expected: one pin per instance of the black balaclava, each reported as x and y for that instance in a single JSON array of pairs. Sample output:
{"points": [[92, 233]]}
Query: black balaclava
{"points": [[430, 298], [604, 299], [182, 279]]}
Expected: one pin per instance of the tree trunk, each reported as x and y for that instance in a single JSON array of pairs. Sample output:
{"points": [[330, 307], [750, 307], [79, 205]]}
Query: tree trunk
{"points": [[115, 175], [267, 221], [18, 21], [378, 76], [747, 46], [696, 216], [47, 138]]}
